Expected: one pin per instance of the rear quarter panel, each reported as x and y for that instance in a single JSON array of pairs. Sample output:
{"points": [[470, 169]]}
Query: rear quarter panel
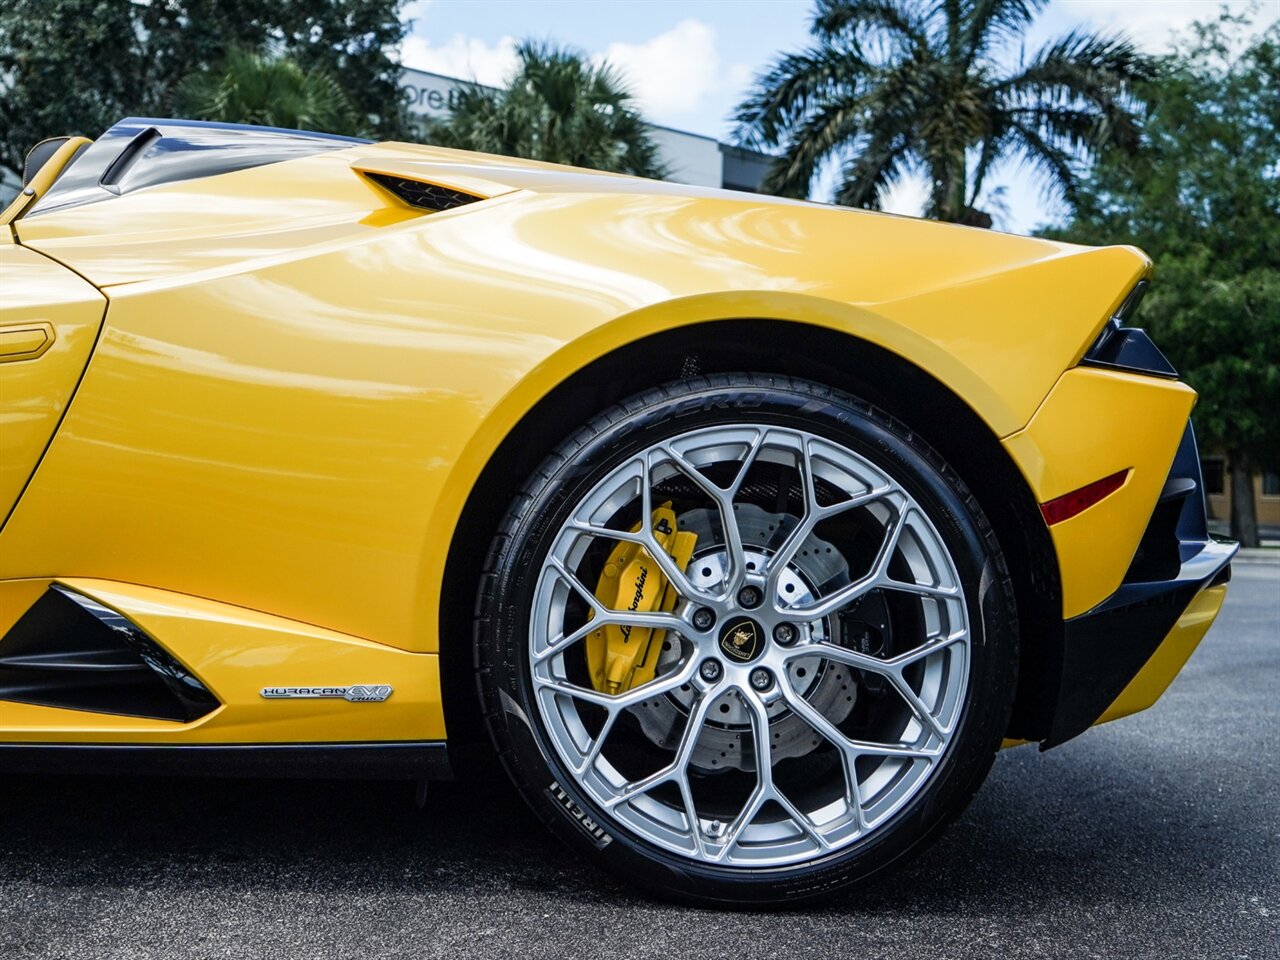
{"points": [[295, 428]]}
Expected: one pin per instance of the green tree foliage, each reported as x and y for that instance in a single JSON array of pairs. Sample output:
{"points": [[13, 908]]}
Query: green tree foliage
{"points": [[1202, 196], [895, 86], [250, 87], [77, 66], [558, 108]]}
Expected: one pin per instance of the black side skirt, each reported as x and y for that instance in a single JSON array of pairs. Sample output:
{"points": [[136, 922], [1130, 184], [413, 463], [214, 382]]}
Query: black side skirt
{"points": [[399, 760]]}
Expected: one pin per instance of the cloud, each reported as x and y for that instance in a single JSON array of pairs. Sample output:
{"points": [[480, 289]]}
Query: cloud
{"points": [[1154, 24], [467, 58], [671, 73]]}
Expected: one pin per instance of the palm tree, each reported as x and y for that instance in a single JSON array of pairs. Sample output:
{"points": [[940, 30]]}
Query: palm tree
{"points": [[558, 108], [251, 87], [892, 87]]}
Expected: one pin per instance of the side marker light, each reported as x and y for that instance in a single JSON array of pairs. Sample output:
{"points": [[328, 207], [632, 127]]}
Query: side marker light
{"points": [[1077, 501]]}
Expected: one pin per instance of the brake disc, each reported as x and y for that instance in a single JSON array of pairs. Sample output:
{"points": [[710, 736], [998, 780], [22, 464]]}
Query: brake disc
{"points": [[828, 686]]}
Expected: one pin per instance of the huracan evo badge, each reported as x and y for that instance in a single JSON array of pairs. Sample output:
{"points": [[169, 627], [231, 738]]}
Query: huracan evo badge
{"points": [[356, 693]]}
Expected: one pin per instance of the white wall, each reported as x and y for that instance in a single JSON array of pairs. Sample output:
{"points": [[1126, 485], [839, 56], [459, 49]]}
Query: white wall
{"points": [[691, 158]]}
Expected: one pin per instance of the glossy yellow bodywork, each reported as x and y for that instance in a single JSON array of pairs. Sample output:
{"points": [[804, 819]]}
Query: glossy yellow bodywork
{"points": [[300, 379], [236, 653], [49, 320], [1093, 424]]}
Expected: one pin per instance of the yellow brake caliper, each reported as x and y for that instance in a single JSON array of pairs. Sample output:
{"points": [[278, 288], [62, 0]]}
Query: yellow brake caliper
{"points": [[622, 657]]}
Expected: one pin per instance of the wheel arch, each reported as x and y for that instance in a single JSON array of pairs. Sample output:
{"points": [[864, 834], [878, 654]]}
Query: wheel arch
{"points": [[813, 352]]}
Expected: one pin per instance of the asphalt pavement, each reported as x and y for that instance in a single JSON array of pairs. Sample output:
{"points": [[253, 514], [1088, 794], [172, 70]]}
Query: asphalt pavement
{"points": [[1153, 837]]}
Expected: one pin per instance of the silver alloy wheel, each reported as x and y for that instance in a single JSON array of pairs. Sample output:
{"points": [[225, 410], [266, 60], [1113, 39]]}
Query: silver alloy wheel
{"points": [[925, 677]]}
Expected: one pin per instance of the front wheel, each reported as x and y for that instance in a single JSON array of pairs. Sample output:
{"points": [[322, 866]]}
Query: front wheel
{"points": [[746, 640]]}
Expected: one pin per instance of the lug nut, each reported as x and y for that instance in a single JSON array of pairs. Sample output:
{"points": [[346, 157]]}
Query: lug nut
{"points": [[710, 670], [750, 597], [704, 618], [761, 679], [785, 634]]}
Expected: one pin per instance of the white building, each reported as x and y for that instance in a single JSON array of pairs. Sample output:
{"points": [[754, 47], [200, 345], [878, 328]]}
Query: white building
{"points": [[691, 157]]}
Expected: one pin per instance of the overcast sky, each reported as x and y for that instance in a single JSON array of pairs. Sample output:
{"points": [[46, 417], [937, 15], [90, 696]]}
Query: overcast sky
{"points": [[689, 62]]}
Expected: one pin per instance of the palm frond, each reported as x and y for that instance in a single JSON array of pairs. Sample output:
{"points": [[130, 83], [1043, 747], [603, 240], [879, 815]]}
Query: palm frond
{"points": [[1080, 64], [991, 22], [810, 143], [865, 177], [794, 85], [899, 20], [558, 107], [1052, 162]]}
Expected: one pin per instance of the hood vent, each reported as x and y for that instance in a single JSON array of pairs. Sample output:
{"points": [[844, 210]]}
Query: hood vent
{"points": [[425, 196]]}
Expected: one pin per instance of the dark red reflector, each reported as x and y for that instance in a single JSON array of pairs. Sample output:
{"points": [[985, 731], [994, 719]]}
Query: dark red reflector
{"points": [[1077, 501]]}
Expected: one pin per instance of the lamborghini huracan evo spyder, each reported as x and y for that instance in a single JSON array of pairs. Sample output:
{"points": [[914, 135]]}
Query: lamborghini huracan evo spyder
{"points": [[746, 530]]}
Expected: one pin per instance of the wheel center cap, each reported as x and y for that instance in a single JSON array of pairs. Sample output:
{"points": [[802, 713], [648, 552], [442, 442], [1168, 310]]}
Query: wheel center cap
{"points": [[741, 639]]}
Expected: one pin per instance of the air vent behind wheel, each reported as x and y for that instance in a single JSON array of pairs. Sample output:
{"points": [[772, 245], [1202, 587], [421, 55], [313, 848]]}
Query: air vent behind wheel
{"points": [[70, 651], [426, 196]]}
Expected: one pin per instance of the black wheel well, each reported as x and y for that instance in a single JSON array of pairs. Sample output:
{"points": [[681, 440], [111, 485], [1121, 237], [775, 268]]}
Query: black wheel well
{"points": [[765, 346]]}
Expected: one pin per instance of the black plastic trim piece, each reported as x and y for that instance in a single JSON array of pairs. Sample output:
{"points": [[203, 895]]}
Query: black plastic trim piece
{"points": [[426, 196], [1105, 648], [38, 156], [391, 760], [133, 151], [72, 652], [1128, 348]]}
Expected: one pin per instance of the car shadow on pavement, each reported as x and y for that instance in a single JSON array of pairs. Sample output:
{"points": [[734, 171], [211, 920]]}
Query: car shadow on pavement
{"points": [[1058, 828]]}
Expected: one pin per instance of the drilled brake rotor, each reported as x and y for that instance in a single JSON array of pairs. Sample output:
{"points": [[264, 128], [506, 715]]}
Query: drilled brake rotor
{"points": [[827, 686]]}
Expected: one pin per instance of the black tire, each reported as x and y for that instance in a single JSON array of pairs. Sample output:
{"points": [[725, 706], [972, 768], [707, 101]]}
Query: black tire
{"points": [[535, 517]]}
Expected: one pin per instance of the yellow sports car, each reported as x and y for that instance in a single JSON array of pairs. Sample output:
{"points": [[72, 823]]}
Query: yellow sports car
{"points": [[745, 530]]}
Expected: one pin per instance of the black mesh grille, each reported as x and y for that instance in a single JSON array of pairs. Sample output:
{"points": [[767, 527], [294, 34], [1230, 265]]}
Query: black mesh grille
{"points": [[425, 195]]}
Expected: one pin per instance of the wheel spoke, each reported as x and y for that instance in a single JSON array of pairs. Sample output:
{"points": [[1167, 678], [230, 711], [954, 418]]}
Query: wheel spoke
{"points": [[921, 589], [847, 745], [607, 615], [813, 515], [764, 771], [922, 712], [740, 824], [620, 701], [925, 650], [892, 670], [724, 498], [644, 535], [691, 814], [843, 655], [678, 767], [874, 579]]}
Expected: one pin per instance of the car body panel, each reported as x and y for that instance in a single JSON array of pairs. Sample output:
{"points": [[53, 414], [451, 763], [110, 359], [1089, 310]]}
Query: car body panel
{"points": [[1093, 424], [354, 384], [49, 321], [238, 653], [300, 379]]}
